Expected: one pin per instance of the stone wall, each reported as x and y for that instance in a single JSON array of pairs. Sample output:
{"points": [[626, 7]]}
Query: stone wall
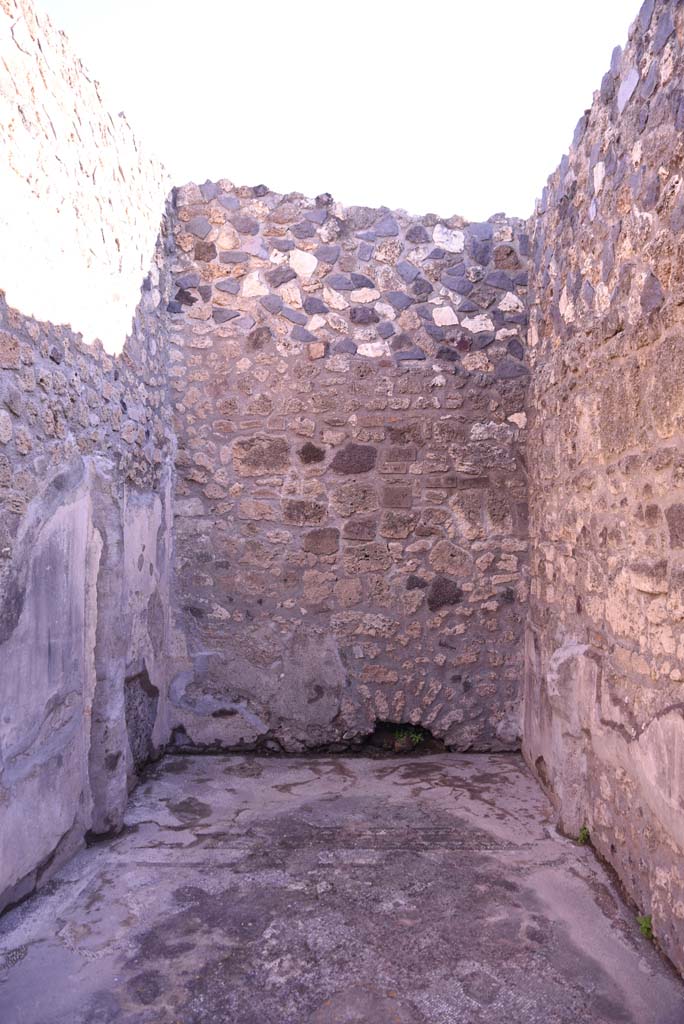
{"points": [[85, 552], [86, 451], [350, 515], [604, 703], [343, 392], [80, 200]]}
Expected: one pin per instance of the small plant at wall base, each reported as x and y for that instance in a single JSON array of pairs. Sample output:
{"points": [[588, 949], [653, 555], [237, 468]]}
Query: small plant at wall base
{"points": [[584, 836], [413, 736], [645, 922]]}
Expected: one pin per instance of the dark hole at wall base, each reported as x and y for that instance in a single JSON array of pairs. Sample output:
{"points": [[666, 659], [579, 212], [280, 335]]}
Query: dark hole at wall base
{"points": [[141, 703], [388, 739]]}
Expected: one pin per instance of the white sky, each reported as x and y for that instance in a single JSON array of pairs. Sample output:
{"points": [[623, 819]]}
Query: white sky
{"points": [[437, 106]]}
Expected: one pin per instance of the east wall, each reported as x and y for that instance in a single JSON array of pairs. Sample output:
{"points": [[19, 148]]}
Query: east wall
{"points": [[604, 698]]}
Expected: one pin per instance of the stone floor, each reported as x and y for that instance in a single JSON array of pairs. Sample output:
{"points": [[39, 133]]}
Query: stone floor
{"points": [[333, 891]]}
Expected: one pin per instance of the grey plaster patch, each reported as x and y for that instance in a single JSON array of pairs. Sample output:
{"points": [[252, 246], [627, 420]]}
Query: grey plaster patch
{"points": [[627, 87]]}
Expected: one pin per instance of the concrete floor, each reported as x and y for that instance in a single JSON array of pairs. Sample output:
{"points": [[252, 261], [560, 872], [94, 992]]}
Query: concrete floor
{"points": [[423, 890]]}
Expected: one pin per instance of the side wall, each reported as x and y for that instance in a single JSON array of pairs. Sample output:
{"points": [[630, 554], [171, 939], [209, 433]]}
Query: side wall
{"points": [[604, 700], [348, 387], [80, 200], [85, 550], [85, 457]]}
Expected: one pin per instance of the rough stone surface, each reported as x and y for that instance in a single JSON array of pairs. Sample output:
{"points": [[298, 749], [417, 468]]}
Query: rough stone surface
{"points": [[323, 459], [85, 567], [296, 505], [422, 890], [604, 721]]}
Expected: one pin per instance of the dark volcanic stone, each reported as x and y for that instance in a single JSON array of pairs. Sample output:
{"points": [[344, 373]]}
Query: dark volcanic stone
{"points": [[327, 253], [301, 334], [245, 224], [355, 458], [645, 15], [407, 272], [499, 279], [209, 190], [222, 316], [205, 252], [228, 285], [435, 332], [273, 303], [199, 227], [515, 348], [314, 305], [421, 287], [281, 244], [281, 275], [233, 257], [362, 281], [442, 593], [483, 340], [229, 202], [319, 215], [508, 369], [385, 329], [664, 31], [416, 583], [402, 342], [185, 298], [414, 353], [482, 231], [387, 227], [399, 300], [293, 315], [340, 282], [648, 85], [345, 347], [652, 296], [310, 453], [363, 315], [191, 280], [417, 234], [482, 252], [305, 229], [460, 285]]}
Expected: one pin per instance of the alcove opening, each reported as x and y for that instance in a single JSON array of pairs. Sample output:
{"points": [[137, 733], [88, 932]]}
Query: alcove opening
{"points": [[141, 701]]}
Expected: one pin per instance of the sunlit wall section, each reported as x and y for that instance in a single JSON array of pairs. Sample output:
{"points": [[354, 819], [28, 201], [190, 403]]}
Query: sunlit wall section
{"points": [[80, 200]]}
